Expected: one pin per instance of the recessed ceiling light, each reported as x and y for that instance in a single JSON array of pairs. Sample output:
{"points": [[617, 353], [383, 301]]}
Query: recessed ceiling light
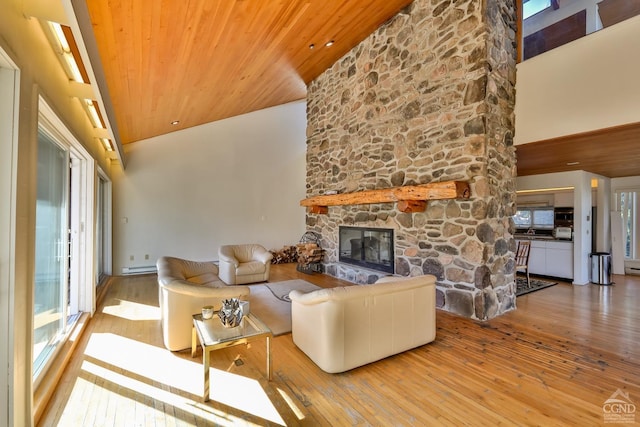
{"points": [[311, 46], [329, 43], [572, 163], [175, 122]]}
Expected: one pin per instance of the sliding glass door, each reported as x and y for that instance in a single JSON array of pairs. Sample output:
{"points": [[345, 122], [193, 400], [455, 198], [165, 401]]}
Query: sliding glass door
{"points": [[51, 250]]}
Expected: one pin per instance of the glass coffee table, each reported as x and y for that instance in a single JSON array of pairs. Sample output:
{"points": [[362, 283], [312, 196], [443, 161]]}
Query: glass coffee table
{"points": [[213, 336]]}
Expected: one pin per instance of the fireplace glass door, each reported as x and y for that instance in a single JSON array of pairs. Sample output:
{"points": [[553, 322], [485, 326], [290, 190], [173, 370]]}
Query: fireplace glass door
{"points": [[367, 247]]}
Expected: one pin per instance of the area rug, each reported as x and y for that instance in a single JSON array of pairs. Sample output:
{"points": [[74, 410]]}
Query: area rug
{"points": [[270, 303], [536, 285]]}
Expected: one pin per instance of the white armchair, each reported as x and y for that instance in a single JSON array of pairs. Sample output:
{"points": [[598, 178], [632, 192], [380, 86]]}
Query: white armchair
{"points": [[184, 287], [240, 264]]}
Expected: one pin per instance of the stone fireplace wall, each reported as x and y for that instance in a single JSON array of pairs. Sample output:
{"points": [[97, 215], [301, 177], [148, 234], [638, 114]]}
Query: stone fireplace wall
{"points": [[428, 97]]}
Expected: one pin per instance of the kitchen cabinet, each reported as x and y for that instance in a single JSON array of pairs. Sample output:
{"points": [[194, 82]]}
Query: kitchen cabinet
{"points": [[559, 259], [551, 258]]}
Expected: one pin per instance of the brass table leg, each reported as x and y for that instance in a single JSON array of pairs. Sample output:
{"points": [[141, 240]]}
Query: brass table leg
{"points": [[194, 342], [206, 361], [269, 358]]}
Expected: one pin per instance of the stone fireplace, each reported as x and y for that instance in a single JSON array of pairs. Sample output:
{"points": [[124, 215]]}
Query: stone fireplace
{"points": [[426, 98]]}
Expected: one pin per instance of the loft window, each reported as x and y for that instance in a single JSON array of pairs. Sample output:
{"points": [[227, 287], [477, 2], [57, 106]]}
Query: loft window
{"points": [[531, 7]]}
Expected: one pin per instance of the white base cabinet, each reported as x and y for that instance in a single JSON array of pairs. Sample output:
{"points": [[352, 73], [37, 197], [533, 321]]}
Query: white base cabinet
{"points": [[551, 258], [559, 259]]}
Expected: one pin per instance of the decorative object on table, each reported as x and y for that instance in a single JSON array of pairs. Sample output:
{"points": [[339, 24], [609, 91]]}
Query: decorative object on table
{"points": [[207, 312], [245, 307], [230, 313]]}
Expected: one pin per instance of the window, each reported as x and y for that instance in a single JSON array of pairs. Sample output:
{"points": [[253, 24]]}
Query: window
{"points": [[538, 218], [543, 218], [531, 7], [627, 205], [522, 218]]}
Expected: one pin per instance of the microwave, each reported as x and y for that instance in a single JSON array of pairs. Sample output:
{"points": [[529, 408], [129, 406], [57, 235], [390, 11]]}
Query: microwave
{"points": [[563, 217]]}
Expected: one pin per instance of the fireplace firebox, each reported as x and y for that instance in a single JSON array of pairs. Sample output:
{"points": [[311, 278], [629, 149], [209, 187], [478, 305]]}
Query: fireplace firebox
{"points": [[367, 247]]}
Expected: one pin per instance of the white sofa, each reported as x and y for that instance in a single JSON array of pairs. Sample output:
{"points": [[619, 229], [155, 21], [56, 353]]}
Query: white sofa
{"points": [[240, 264], [346, 327], [184, 287]]}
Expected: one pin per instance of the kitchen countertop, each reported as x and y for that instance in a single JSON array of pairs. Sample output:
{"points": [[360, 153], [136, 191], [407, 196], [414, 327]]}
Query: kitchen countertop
{"points": [[539, 237]]}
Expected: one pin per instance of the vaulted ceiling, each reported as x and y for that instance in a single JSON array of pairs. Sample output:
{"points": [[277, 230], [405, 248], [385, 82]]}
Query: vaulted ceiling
{"points": [[200, 61], [195, 62]]}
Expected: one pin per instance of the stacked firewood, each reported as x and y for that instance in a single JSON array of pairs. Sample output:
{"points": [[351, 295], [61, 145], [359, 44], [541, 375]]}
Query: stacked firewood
{"points": [[309, 252], [285, 255]]}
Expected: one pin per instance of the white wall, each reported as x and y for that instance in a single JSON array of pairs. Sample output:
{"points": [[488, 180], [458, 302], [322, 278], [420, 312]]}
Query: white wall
{"points": [[626, 183], [238, 180], [588, 84]]}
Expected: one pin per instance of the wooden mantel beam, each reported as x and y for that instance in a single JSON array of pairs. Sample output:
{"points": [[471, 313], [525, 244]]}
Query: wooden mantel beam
{"points": [[414, 195]]}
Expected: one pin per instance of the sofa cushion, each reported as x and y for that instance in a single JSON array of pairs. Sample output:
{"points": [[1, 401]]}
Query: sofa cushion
{"points": [[251, 267], [209, 279]]}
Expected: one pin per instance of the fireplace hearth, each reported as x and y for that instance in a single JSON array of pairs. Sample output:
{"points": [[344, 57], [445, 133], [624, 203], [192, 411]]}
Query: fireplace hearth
{"points": [[367, 247]]}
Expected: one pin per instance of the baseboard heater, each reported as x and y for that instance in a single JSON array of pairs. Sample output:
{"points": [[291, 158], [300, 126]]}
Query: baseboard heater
{"points": [[632, 268], [139, 270]]}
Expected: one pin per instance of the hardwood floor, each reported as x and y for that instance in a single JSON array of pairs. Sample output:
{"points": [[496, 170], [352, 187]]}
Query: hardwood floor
{"points": [[553, 361]]}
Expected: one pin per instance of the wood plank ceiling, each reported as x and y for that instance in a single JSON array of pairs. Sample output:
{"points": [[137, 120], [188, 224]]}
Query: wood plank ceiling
{"points": [[204, 60], [612, 152]]}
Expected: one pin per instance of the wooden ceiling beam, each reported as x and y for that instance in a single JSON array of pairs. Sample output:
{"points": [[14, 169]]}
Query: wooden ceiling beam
{"points": [[411, 198]]}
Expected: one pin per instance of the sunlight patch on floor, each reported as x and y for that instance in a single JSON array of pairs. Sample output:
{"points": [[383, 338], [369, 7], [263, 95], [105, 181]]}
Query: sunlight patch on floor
{"points": [[291, 403], [245, 394], [132, 310], [159, 395], [157, 365]]}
